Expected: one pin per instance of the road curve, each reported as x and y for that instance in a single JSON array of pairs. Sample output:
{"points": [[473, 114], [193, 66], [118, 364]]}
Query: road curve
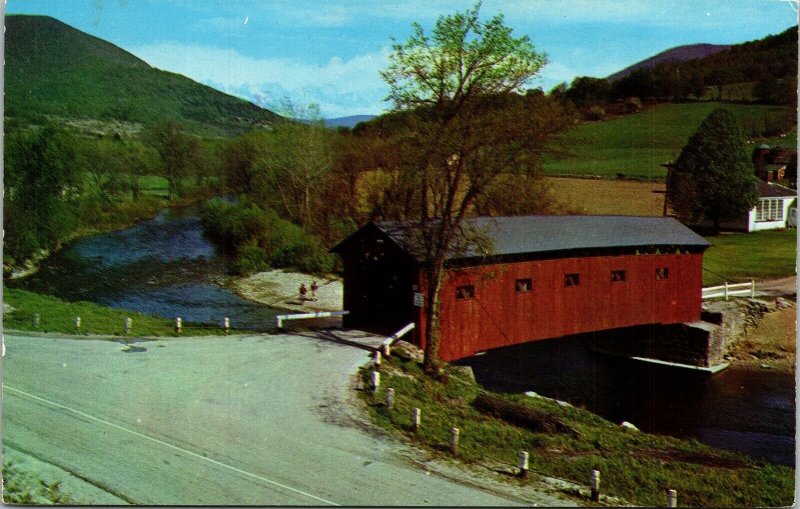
{"points": [[241, 420]]}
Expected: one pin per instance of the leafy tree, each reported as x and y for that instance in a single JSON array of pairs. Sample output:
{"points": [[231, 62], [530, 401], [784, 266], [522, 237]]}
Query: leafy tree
{"points": [[586, 91], [42, 179], [465, 131], [294, 167], [713, 178], [178, 151]]}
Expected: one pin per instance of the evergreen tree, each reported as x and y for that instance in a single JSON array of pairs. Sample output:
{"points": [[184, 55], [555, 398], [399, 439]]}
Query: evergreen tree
{"points": [[713, 178]]}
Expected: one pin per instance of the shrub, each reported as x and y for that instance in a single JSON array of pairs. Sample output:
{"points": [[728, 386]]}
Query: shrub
{"points": [[262, 239], [596, 113], [250, 259]]}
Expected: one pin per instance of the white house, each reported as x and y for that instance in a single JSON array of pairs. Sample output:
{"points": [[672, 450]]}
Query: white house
{"points": [[772, 210]]}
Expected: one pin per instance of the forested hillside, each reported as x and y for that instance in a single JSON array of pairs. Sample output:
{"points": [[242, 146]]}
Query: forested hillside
{"points": [[54, 70]]}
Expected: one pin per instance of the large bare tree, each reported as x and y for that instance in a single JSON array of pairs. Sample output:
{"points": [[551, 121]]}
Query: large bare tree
{"points": [[467, 127]]}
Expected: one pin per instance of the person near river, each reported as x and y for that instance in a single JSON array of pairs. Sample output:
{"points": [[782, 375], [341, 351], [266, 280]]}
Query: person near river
{"points": [[303, 292], [314, 288]]}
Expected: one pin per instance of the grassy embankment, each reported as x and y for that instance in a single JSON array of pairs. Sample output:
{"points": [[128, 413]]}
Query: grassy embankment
{"points": [[637, 467], [758, 255], [636, 145], [57, 315], [24, 488]]}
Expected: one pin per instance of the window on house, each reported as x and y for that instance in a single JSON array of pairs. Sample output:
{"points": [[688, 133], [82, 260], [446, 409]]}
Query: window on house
{"points": [[523, 285], [662, 273], [572, 279], [465, 292], [617, 276]]}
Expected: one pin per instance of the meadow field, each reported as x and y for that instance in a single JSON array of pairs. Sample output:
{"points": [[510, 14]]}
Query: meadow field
{"points": [[637, 145]]}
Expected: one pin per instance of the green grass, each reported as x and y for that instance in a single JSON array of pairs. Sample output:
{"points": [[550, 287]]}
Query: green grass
{"points": [[739, 257], [20, 487], [636, 145], [636, 467], [56, 315]]}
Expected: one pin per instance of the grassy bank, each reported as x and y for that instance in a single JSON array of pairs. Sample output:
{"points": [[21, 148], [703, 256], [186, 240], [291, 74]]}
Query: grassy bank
{"points": [[637, 467], [636, 145], [56, 315], [758, 255], [25, 488]]}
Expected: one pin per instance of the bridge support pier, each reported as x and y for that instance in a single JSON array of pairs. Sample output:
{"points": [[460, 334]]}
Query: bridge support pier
{"points": [[698, 345]]}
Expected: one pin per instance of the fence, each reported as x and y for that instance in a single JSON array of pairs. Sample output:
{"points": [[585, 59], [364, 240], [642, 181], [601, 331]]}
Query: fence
{"points": [[730, 290], [386, 346], [303, 316]]}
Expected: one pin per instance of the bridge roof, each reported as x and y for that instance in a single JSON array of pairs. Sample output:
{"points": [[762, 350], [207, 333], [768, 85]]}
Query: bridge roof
{"points": [[541, 234]]}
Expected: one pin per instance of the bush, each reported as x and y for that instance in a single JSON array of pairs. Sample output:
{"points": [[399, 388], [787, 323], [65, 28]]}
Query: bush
{"points": [[596, 113], [261, 239], [251, 259]]}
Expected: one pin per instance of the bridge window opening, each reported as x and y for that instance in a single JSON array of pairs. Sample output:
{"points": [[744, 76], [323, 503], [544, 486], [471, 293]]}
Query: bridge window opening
{"points": [[662, 273], [572, 279], [465, 292], [523, 285], [617, 276]]}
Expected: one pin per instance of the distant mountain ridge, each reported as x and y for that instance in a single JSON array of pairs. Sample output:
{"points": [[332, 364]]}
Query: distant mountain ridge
{"points": [[53, 69], [349, 122], [677, 54]]}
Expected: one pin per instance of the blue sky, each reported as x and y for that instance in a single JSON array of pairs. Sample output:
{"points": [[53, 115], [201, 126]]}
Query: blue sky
{"points": [[330, 52]]}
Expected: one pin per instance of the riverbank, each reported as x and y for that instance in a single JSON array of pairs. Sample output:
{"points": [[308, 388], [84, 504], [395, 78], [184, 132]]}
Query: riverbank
{"points": [[56, 315], [564, 442], [771, 344], [281, 289], [759, 333], [125, 214]]}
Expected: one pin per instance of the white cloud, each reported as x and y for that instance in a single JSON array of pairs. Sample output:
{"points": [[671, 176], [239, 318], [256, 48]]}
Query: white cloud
{"points": [[340, 87]]}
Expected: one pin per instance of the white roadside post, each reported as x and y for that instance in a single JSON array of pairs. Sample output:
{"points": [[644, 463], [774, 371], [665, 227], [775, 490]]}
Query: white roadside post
{"points": [[416, 417], [672, 498], [376, 381], [178, 325], [454, 440], [128, 325], [595, 486], [78, 323], [36, 320], [523, 464], [227, 324], [389, 398], [377, 360]]}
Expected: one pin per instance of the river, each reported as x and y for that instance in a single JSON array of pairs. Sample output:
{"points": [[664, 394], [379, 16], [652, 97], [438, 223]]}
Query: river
{"points": [[166, 267], [743, 409]]}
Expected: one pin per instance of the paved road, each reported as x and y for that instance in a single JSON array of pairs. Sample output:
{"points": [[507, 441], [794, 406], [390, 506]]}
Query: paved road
{"points": [[264, 420]]}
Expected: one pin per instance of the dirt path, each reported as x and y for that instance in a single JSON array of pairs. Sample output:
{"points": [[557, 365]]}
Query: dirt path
{"points": [[778, 287]]}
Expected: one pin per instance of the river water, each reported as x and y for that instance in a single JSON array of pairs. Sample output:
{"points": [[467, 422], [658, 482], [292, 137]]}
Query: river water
{"points": [[748, 410], [166, 267]]}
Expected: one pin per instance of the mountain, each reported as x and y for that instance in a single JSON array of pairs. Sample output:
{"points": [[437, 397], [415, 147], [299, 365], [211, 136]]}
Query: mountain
{"points": [[349, 122], [677, 54], [52, 69]]}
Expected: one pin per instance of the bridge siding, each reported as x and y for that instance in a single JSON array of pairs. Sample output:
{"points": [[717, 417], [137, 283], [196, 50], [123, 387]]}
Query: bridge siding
{"points": [[498, 316]]}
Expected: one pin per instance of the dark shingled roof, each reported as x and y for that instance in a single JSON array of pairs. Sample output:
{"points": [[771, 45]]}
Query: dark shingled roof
{"points": [[540, 234], [768, 190]]}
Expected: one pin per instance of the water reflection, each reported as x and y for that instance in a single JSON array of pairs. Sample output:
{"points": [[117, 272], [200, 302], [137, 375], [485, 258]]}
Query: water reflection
{"points": [[746, 410]]}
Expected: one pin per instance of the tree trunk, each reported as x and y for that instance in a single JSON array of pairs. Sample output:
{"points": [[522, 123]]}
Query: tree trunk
{"points": [[432, 307]]}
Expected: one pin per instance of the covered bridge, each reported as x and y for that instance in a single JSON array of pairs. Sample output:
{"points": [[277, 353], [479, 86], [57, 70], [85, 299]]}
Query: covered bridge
{"points": [[546, 277]]}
